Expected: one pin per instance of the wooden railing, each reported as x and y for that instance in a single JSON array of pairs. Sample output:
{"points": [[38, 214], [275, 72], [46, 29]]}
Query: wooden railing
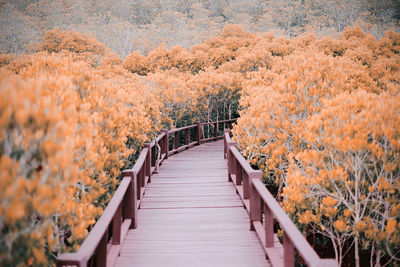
{"points": [[102, 245], [264, 210], [196, 134]]}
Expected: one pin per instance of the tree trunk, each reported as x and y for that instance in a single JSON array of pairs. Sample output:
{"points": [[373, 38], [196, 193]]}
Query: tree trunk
{"points": [[335, 248], [224, 113], [356, 252], [378, 258]]}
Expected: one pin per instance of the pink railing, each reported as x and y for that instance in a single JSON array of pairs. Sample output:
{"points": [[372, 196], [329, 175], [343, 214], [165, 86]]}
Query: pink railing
{"points": [[102, 245], [264, 210]]}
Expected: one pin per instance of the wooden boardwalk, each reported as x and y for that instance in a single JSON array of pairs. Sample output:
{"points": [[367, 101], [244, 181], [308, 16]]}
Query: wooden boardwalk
{"points": [[190, 215]]}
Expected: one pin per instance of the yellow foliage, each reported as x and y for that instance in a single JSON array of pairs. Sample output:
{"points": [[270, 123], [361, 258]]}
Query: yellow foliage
{"points": [[340, 225], [57, 40], [55, 110], [313, 114], [321, 120], [391, 226], [347, 213], [359, 226], [329, 201]]}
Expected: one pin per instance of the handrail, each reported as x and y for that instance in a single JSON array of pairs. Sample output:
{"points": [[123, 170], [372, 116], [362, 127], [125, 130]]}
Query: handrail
{"points": [[223, 121], [182, 128], [198, 136], [258, 201], [121, 212]]}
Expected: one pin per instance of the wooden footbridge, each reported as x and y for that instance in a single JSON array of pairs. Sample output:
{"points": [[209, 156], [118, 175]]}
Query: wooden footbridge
{"points": [[193, 203]]}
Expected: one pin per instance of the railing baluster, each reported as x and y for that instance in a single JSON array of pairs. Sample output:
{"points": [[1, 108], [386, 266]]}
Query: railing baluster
{"points": [[117, 221], [133, 202], [231, 160], [153, 155], [239, 171], [187, 137], [101, 251], [288, 251], [142, 180], [216, 129], [255, 199], [176, 140], [268, 227], [246, 185], [148, 160], [138, 184], [129, 206], [198, 133], [165, 145]]}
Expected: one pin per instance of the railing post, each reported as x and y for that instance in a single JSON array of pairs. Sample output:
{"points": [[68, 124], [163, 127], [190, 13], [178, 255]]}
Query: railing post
{"points": [[165, 144], [198, 132], [117, 221], [187, 137], [142, 179], [246, 185], [153, 155], [216, 129], [129, 206], [101, 251], [268, 227], [176, 140], [148, 160], [255, 199], [239, 171], [231, 160], [288, 251]]}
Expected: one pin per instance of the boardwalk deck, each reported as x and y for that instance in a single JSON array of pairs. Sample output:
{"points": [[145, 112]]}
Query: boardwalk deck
{"points": [[191, 215]]}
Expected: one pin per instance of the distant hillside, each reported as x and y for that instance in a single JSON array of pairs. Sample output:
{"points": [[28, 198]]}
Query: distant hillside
{"points": [[126, 25]]}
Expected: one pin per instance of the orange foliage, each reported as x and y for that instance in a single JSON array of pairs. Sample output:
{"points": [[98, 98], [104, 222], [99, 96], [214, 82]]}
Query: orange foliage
{"points": [[303, 102], [316, 105], [67, 130], [57, 40]]}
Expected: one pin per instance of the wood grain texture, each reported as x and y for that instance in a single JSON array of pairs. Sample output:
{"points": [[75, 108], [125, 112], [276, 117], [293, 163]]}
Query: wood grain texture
{"points": [[190, 215]]}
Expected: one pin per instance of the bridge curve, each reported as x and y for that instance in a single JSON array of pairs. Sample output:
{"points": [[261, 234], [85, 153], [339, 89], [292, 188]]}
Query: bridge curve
{"points": [[188, 202]]}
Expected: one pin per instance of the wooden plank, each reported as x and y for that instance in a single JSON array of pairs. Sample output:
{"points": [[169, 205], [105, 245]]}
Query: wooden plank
{"points": [[181, 205], [210, 214], [191, 198], [204, 185], [202, 260], [183, 181]]}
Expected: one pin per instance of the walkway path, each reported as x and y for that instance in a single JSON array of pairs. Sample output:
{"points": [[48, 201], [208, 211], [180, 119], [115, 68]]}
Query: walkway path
{"points": [[191, 216]]}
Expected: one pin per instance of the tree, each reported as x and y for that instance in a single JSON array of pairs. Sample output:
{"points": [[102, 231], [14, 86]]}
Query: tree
{"points": [[16, 30], [351, 166]]}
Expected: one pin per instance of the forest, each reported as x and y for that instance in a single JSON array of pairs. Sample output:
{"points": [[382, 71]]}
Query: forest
{"points": [[126, 25], [315, 86]]}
